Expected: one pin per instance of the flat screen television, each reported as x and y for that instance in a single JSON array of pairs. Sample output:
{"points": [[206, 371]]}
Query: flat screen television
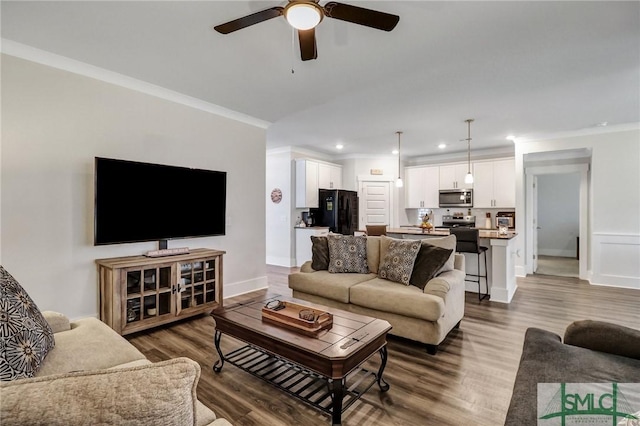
{"points": [[144, 202]]}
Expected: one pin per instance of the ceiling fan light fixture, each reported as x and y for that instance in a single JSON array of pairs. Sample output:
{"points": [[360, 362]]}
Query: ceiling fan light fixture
{"points": [[303, 15]]}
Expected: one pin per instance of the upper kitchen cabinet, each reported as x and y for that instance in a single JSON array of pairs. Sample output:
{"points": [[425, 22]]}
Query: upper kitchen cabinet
{"points": [[329, 176], [421, 189], [313, 175], [452, 176], [494, 184]]}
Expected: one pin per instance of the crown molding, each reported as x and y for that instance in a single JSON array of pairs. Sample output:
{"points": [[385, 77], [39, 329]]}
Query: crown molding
{"points": [[29, 53], [582, 132]]}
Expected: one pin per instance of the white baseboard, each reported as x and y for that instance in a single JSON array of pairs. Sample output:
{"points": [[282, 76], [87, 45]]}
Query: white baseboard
{"points": [[281, 261], [521, 271], [557, 252], [242, 287]]}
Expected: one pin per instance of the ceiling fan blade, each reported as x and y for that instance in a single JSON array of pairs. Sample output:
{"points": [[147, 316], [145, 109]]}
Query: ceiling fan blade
{"points": [[247, 21], [362, 16], [308, 48]]}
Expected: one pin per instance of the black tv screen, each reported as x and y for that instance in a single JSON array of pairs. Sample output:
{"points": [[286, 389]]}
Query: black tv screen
{"points": [[144, 202]]}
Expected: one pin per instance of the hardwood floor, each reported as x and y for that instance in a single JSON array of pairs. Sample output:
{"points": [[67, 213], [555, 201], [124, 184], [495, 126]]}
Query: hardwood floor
{"points": [[469, 381]]}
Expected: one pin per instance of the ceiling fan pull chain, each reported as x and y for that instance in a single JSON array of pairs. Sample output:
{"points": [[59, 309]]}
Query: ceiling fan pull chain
{"points": [[293, 49]]}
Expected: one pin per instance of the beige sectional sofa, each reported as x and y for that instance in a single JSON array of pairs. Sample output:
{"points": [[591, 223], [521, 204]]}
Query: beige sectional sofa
{"points": [[425, 316], [95, 376]]}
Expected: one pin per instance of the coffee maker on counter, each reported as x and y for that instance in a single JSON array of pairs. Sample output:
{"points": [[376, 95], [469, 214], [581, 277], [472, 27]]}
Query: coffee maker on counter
{"points": [[307, 218]]}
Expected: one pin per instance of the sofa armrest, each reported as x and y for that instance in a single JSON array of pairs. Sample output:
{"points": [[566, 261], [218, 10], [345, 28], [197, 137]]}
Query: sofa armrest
{"points": [[604, 337], [440, 285], [57, 321], [306, 267]]}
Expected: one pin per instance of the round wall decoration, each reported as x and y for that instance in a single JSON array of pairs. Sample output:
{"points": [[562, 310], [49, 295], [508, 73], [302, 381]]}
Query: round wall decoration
{"points": [[276, 195]]}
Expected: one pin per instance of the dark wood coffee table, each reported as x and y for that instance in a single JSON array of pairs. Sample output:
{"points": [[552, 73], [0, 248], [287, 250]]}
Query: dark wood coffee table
{"points": [[324, 371]]}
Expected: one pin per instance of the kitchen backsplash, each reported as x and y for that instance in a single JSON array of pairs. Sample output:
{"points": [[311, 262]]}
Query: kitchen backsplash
{"points": [[414, 216]]}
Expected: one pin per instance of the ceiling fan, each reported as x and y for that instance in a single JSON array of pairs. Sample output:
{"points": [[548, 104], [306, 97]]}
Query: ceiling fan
{"points": [[305, 15]]}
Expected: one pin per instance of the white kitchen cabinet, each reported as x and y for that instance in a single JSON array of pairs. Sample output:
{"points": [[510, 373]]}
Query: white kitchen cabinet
{"points": [[313, 175], [494, 184], [303, 242], [452, 176], [422, 186], [329, 176], [306, 184]]}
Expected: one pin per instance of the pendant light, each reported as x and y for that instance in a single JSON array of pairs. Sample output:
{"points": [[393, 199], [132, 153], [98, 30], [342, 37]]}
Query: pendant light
{"points": [[469, 177], [399, 182]]}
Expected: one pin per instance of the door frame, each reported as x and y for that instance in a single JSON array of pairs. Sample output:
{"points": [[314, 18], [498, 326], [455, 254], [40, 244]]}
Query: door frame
{"points": [[531, 218], [361, 180]]}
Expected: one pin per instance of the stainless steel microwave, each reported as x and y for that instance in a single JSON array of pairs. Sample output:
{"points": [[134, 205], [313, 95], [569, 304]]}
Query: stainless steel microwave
{"points": [[456, 198]]}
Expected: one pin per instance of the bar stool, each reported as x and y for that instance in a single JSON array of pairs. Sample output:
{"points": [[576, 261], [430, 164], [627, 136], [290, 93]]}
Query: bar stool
{"points": [[376, 230], [467, 242]]}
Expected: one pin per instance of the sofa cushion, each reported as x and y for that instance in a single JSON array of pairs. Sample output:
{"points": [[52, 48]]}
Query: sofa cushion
{"points": [[387, 296], [429, 261], [25, 336], [398, 261], [89, 345], [154, 394], [373, 254], [348, 253], [319, 253], [325, 284]]}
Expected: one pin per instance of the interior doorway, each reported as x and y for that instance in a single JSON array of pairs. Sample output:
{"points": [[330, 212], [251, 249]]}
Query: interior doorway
{"points": [[375, 201], [557, 216], [555, 204]]}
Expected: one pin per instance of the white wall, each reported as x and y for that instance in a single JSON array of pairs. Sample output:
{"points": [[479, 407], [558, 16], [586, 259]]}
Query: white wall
{"points": [[53, 125], [558, 214], [279, 220], [354, 168], [613, 240]]}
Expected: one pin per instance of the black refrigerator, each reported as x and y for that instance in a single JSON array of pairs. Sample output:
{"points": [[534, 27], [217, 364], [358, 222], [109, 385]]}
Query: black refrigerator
{"points": [[338, 209]]}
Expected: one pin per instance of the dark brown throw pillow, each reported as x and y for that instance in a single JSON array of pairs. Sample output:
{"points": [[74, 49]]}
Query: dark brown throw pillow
{"points": [[428, 261], [319, 253]]}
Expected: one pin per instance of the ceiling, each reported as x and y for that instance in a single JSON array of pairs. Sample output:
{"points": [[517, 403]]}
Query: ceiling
{"points": [[520, 68]]}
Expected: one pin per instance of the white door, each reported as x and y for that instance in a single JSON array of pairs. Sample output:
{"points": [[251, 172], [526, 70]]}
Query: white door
{"points": [[375, 205]]}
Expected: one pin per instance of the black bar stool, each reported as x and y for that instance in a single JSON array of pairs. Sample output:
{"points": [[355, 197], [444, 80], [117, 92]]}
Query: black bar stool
{"points": [[467, 242]]}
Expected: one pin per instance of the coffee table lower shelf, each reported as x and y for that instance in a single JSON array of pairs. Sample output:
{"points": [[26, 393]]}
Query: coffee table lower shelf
{"points": [[311, 388]]}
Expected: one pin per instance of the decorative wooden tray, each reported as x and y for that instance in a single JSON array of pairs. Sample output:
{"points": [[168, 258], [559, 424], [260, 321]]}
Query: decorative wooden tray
{"points": [[288, 317]]}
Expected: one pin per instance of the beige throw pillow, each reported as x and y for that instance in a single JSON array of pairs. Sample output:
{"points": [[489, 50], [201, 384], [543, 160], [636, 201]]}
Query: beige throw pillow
{"points": [[163, 393]]}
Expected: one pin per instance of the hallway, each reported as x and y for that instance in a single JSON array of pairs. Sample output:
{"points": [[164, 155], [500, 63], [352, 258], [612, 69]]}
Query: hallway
{"points": [[557, 266]]}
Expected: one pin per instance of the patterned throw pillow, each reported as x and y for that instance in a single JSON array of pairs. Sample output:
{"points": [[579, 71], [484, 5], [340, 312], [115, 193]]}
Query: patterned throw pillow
{"points": [[430, 260], [319, 253], [348, 253], [398, 261], [25, 336]]}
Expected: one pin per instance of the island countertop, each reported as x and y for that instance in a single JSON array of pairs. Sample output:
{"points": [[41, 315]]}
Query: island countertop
{"points": [[483, 233]]}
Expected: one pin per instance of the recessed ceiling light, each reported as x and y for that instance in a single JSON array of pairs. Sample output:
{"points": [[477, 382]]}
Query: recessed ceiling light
{"points": [[602, 124], [510, 138], [442, 146], [339, 146], [394, 152]]}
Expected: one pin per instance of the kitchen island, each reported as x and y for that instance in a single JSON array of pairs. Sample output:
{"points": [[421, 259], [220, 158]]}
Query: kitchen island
{"points": [[501, 273]]}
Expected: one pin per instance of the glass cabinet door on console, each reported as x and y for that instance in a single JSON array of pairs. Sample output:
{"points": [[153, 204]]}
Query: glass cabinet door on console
{"points": [[139, 292], [148, 293], [197, 284]]}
